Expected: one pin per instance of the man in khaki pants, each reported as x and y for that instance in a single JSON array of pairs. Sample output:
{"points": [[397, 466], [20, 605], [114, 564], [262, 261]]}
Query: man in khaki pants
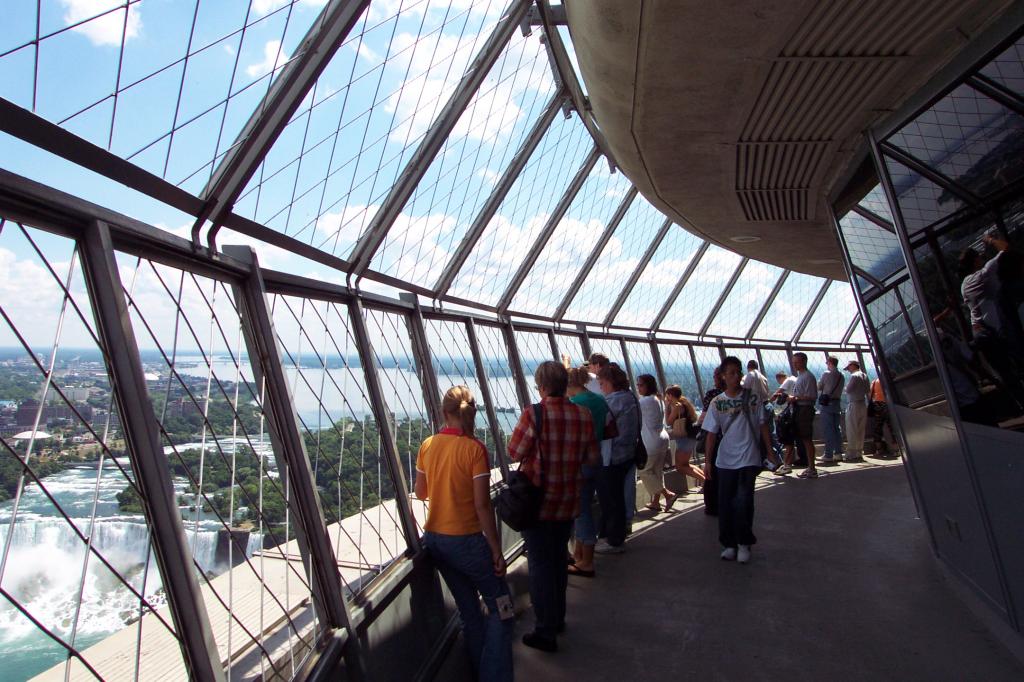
{"points": [[856, 412]]}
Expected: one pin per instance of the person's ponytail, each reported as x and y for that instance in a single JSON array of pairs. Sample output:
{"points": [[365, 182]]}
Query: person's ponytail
{"points": [[459, 402]]}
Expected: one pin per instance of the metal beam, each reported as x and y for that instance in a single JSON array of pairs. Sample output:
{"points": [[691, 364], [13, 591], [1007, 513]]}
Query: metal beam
{"points": [[637, 272], [696, 371], [721, 298], [516, 364], [994, 90], [810, 311], [435, 137], [424, 359], [554, 346], [670, 301], [286, 92], [142, 440], [870, 215], [627, 362], [498, 194], [290, 453], [659, 369], [595, 253], [382, 413], [585, 341], [485, 395], [930, 173], [767, 304], [849, 330], [549, 229]]}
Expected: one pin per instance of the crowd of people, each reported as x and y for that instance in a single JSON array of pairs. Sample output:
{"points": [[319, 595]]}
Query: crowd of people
{"points": [[591, 435]]}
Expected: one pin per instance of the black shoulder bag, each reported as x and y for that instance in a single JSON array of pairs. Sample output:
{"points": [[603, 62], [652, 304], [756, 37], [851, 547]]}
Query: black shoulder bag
{"points": [[640, 450], [519, 500]]}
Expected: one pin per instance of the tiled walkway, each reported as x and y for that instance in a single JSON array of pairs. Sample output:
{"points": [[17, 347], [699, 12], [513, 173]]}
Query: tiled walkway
{"points": [[843, 586]]}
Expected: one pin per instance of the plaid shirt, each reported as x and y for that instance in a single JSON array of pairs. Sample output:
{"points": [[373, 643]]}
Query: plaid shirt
{"points": [[567, 437]]}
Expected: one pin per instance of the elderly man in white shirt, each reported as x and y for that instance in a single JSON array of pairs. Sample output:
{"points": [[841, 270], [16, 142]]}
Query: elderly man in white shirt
{"points": [[856, 412]]}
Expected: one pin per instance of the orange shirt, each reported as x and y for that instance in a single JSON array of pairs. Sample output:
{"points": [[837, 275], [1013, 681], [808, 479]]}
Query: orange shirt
{"points": [[451, 461], [877, 394]]}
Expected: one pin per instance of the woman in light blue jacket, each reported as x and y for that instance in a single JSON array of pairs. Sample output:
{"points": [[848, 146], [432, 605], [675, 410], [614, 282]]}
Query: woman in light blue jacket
{"points": [[622, 404]]}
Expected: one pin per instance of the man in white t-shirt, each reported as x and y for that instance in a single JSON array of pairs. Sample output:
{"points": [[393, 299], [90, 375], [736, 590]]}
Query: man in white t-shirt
{"points": [[738, 414], [755, 382]]}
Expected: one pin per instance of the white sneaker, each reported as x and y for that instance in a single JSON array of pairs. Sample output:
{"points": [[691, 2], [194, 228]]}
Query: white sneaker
{"points": [[729, 554], [743, 555], [602, 547]]}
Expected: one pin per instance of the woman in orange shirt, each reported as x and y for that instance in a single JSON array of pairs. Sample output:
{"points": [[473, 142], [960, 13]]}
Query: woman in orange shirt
{"points": [[452, 471]]}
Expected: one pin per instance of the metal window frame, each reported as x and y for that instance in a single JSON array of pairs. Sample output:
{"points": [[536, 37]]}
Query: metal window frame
{"points": [[893, 152], [595, 253], [810, 312], [420, 161], [763, 312], [501, 454], [326, 34], [638, 272], [515, 363], [680, 285], [717, 308], [425, 360], [498, 194], [548, 230]]}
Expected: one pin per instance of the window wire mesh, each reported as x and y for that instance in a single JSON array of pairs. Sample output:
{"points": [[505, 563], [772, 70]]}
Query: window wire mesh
{"points": [[399, 376], [453, 365], [534, 348], [167, 86], [328, 389], [571, 345], [325, 176], [562, 257], [227, 474], [708, 358], [858, 336], [512, 231], [876, 202], [465, 171], [678, 366], [833, 316], [745, 301], [1008, 68], [659, 277], [697, 298], [789, 307], [892, 329], [610, 347], [921, 201], [872, 248], [617, 261], [76, 566], [500, 378], [775, 361], [641, 359]]}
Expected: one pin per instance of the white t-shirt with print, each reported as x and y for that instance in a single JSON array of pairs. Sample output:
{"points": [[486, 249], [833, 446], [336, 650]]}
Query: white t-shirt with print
{"points": [[738, 447]]}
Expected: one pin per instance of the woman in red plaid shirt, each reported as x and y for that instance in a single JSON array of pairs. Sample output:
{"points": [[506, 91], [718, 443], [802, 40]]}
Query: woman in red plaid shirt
{"points": [[566, 442]]}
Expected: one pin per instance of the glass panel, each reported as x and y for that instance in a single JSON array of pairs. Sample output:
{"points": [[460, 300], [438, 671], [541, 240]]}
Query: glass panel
{"points": [[328, 388], [775, 361], [696, 300], [341, 152], [512, 231], [745, 300], [708, 358], [1008, 68], [75, 550], [571, 345], [534, 348], [618, 260], [456, 185], [969, 138], [572, 242], [494, 355], [610, 347], [921, 201], [789, 307], [641, 359], [876, 202], [872, 249], [833, 315], [893, 332], [678, 366], [658, 279], [858, 336]]}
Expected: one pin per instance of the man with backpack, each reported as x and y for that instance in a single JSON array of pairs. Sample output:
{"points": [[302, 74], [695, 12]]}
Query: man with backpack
{"points": [[738, 416]]}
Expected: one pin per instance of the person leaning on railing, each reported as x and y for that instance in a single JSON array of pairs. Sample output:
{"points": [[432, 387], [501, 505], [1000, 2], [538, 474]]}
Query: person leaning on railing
{"points": [[452, 471]]}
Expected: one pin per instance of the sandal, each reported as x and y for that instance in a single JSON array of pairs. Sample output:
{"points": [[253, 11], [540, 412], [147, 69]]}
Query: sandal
{"points": [[653, 507], [670, 500], [581, 572]]}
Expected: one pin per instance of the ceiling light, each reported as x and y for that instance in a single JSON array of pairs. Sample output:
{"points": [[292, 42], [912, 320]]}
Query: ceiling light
{"points": [[744, 239]]}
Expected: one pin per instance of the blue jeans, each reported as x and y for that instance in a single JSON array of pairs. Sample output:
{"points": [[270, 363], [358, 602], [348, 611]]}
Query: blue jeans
{"points": [[464, 562], [830, 430], [546, 544], [769, 418], [586, 528]]}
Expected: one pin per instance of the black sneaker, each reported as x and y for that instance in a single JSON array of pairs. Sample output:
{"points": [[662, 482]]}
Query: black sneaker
{"points": [[535, 641]]}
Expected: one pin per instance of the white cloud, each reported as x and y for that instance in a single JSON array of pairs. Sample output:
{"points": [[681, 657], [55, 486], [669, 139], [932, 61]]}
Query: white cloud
{"points": [[263, 7], [366, 52], [487, 174], [273, 57], [230, 49], [108, 28]]}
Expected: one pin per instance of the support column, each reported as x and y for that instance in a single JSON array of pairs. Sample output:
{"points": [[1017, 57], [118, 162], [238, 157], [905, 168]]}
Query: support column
{"points": [[485, 394], [722, 297], [767, 305], [637, 272], [143, 445], [674, 294], [424, 360], [659, 370], [810, 312], [516, 365]]}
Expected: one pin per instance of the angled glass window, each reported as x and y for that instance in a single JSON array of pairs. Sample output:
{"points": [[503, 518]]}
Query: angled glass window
{"points": [[745, 301], [325, 176], [641, 359], [876, 202], [695, 302], [789, 307], [678, 366], [744, 354], [534, 348], [511, 233], [872, 248], [610, 347], [833, 315], [708, 358], [969, 138], [892, 329], [775, 360], [659, 277], [921, 201], [858, 336], [571, 345], [573, 240], [166, 85], [618, 259], [1008, 68], [489, 132], [500, 377]]}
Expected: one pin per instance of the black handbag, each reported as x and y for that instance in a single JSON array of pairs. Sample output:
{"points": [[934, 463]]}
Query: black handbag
{"points": [[639, 449], [519, 500]]}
